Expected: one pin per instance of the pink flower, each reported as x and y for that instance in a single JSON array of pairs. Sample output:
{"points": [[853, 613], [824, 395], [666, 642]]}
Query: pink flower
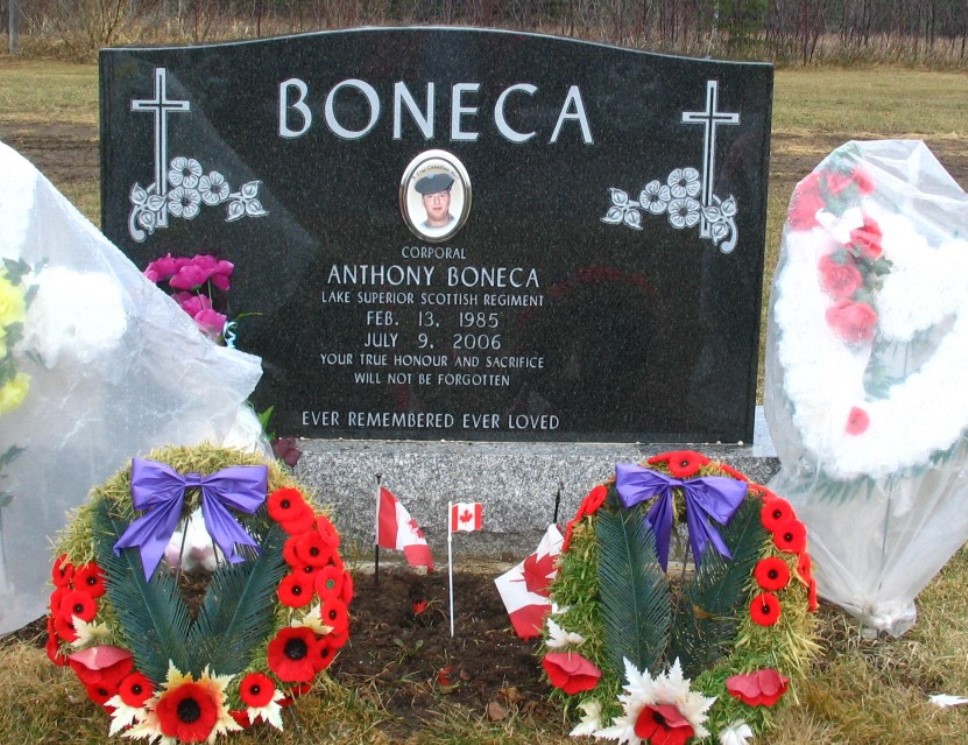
{"points": [[807, 201], [839, 279], [863, 181], [199, 270], [867, 239], [760, 688], [570, 672], [165, 267], [210, 321], [852, 322], [192, 303], [857, 421]]}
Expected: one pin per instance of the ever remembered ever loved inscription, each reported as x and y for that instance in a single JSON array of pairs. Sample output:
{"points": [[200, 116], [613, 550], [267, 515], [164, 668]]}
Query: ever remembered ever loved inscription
{"points": [[460, 234]]}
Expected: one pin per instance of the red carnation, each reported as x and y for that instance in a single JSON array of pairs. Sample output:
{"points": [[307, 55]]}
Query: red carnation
{"points": [[256, 690], [765, 609], [790, 536], [772, 573], [187, 712], [760, 688], [570, 672], [90, 578], [841, 280], [852, 322], [291, 654], [681, 463]]}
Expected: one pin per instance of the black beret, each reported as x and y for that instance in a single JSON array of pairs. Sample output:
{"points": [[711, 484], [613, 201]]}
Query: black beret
{"points": [[434, 182]]}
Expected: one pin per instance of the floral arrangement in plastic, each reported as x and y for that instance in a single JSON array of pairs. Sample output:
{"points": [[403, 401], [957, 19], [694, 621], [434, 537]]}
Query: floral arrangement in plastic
{"points": [[14, 383], [170, 662], [870, 322], [653, 650], [198, 285]]}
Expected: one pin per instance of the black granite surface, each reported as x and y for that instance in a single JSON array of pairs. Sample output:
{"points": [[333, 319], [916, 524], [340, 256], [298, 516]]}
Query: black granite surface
{"points": [[549, 308]]}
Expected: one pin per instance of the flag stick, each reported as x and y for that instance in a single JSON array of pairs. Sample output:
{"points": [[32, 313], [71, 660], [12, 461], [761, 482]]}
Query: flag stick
{"points": [[376, 534], [450, 563], [561, 486]]}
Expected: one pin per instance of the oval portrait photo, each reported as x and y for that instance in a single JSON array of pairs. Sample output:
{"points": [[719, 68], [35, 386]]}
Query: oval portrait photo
{"points": [[435, 195]]}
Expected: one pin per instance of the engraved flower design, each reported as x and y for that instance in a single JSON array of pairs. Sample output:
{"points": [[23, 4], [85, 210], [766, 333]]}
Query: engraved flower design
{"points": [[184, 202], [184, 172], [655, 197], [684, 212], [684, 182], [213, 188]]}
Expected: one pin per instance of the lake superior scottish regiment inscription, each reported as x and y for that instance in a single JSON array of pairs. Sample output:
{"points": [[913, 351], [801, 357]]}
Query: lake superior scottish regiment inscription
{"points": [[460, 234]]}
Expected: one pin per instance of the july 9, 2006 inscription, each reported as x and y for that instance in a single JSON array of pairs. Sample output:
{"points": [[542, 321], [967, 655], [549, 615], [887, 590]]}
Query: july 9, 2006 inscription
{"points": [[460, 234]]}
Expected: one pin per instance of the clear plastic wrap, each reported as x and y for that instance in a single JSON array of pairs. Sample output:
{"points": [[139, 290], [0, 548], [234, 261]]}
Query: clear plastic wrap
{"points": [[865, 397], [98, 365]]}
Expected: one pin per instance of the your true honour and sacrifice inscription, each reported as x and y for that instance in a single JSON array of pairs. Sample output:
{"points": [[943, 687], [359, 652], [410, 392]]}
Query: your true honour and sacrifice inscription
{"points": [[460, 234]]}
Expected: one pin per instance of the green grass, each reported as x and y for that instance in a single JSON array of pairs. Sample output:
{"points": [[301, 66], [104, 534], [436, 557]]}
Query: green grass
{"points": [[43, 93]]}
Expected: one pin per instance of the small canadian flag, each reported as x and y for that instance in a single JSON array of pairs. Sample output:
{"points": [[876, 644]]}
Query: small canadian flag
{"points": [[466, 516], [395, 529]]}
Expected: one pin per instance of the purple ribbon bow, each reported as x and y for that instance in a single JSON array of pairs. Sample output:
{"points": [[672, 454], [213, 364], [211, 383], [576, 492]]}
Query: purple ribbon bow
{"points": [[708, 498], [160, 490]]}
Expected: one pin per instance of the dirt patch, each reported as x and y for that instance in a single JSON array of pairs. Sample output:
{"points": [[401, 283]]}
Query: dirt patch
{"points": [[67, 154]]}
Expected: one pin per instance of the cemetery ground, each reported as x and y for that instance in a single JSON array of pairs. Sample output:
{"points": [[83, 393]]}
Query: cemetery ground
{"points": [[402, 678]]}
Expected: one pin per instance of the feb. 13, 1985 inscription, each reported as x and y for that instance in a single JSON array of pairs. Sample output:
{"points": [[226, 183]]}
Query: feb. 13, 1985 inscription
{"points": [[460, 234]]}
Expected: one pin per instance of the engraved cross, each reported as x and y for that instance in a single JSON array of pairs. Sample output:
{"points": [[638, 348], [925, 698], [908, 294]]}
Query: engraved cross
{"points": [[160, 106], [710, 119]]}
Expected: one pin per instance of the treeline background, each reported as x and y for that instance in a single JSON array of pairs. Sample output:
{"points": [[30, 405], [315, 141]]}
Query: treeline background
{"points": [[787, 32]]}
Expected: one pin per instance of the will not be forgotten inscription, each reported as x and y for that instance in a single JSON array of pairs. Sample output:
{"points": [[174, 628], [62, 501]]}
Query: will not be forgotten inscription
{"points": [[460, 234]]}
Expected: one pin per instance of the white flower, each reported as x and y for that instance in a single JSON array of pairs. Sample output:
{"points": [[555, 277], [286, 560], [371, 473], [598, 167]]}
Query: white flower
{"points": [[590, 722], [737, 733], [558, 638], [271, 712], [122, 715], [643, 690], [184, 202], [89, 634], [655, 197], [313, 619], [213, 188], [684, 213], [684, 182], [185, 172]]}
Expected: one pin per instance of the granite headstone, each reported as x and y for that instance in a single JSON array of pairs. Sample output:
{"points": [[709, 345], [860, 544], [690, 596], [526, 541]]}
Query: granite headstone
{"points": [[460, 234]]}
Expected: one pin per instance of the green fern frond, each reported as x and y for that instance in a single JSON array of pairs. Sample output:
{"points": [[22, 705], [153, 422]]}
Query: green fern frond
{"points": [[709, 606], [238, 611], [153, 614], [633, 590]]}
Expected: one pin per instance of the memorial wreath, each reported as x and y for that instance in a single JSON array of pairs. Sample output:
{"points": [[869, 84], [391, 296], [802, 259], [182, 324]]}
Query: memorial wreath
{"points": [[185, 656], [658, 652]]}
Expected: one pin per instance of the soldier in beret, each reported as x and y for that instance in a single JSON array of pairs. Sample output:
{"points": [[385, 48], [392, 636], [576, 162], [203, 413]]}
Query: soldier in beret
{"points": [[434, 188]]}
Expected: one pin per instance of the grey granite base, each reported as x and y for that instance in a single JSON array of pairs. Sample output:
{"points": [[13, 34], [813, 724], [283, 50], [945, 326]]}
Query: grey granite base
{"points": [[517, 483]]}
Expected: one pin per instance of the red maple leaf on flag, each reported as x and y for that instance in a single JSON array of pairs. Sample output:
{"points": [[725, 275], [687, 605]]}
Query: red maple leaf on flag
{"points": [[538, 573], [466, 516], [418, 531]]}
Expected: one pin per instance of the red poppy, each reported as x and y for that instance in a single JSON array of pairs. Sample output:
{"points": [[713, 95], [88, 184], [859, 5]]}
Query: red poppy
{"points": [[64, 628], [288, 508], [804, 568], [327, 530], [295, 589], [90, 578], [135, 689], [55, 599], [295, 692], [790, 536], [594, 500], [100, 693], [289, 552], [52, 647], [663, 724], [772, 573], [329, 581], [346, 593], [840, 279], [857, 421], [241, 717], [62, 572], [336, 615], [733, 473], [775, 511], [187, 712], [852, 322], [765, 609], [570, 672], [681, 463], [569, 529], [324, 653], [867, 239], [313, 549], [256, 690], [805, 203], [291, 654], [759, 688], [812, 602], [78, 603]]}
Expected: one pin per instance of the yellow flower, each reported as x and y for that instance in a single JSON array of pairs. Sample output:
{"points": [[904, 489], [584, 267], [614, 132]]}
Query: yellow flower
{"points": [[12, 306], [13, 392]]}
